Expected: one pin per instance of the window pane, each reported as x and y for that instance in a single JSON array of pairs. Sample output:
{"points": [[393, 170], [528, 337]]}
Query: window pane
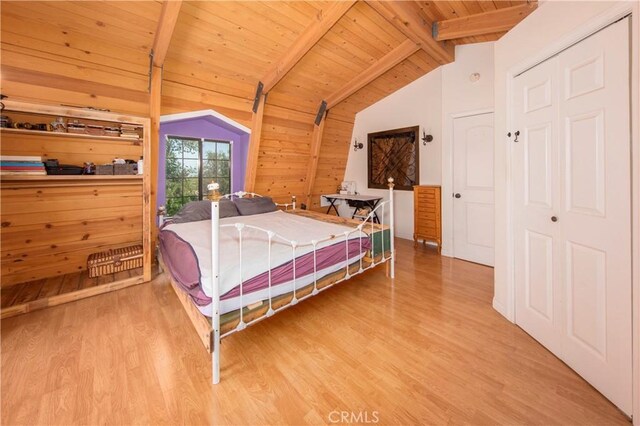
{"points": [[191, 148], [174, 168], [173, 205], [174, 188], [191, 188], [224, 185], [174, 148], [209, 169], [223, 151], [223, 168], [209, 150], [191, 168]]}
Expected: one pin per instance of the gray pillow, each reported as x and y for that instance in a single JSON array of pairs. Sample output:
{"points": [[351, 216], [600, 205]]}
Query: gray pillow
{"points": [[257, 205], [201, 210]]}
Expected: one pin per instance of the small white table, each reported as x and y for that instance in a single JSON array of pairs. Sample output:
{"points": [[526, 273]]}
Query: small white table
{"points": [[357, 201]]}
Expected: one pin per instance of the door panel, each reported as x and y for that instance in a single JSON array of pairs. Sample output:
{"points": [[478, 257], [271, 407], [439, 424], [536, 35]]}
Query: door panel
{"points": [[536, 196], [572, 209], [473, 211], [539, 274], [595, 146]]}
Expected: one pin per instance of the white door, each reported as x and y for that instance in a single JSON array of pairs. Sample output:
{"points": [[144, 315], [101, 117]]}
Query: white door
{"points": [[572, 209], [473, 207]]}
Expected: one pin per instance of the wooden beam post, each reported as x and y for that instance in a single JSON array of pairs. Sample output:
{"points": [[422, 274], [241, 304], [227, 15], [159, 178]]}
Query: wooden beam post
{"points": [[314, 156], [405, 16], [307, 39], [254, 145], [375, 70], [155, 102], [482, 23], [166, 25], [164, 31]]}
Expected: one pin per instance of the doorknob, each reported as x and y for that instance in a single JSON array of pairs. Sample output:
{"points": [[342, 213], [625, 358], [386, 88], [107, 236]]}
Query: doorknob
{"points": [[554, 219], [457, 195]]}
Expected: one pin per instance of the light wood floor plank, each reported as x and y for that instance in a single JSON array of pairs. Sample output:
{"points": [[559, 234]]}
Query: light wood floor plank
{"points": [[426, 348]]}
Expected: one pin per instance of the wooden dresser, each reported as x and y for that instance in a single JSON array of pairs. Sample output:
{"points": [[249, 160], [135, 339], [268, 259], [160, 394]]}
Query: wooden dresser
{"points": [[427, 211]]}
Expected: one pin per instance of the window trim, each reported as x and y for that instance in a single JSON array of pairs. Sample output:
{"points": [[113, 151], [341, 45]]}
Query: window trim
{"points": [[200, 140]]}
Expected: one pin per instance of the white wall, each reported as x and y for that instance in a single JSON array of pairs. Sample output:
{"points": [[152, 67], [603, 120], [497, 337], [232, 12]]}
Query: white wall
{"points": [[430, 102], [461, 96], [418, 103]]}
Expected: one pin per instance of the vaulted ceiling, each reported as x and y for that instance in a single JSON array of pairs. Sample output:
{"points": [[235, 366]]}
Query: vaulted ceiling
{"points": [[349, 54]]}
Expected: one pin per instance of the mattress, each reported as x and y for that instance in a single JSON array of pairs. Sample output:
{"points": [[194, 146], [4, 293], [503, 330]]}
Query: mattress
{"points": [[186, 252]]}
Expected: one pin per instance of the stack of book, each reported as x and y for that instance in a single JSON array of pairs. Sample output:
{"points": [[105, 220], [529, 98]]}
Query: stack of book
{"points": [[130, 131], [21, 165]]}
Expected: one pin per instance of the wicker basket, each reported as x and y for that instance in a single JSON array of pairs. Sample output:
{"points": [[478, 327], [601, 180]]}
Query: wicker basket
{"points": [[104, 169], [115, 260]]}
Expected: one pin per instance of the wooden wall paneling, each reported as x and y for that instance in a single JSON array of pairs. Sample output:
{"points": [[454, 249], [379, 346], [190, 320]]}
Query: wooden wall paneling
{"points": [[254, 145], [69, 151], [71, 15], [228, 29], [285, 133], [51, 230], [332, 158], [177, 97], [33, 60], [482, 23], [72, 45]]}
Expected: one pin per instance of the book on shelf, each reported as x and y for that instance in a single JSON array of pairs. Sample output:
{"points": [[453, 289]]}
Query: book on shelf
{"points": [[21, 158], [23, 173], [20, 164], [27, 168]]}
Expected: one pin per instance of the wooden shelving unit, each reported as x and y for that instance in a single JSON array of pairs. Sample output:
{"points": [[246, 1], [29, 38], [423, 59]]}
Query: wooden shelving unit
{"points": [[84, 136], [52, 223], [70, 178], [39, 294]]}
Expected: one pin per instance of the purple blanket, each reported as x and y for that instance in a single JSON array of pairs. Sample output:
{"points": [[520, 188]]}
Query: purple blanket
{"points": [[182, 263]]}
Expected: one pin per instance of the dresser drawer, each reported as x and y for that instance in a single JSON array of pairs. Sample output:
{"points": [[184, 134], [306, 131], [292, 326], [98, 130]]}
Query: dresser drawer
{"points": [[427, 214]]}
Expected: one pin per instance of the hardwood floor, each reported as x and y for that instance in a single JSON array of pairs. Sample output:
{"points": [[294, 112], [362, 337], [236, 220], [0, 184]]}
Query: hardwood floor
{"points": [[425, 349]]}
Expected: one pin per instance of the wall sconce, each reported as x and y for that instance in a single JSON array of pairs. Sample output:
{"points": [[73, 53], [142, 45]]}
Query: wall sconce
{"points": [[357, 145], [426, 138]]}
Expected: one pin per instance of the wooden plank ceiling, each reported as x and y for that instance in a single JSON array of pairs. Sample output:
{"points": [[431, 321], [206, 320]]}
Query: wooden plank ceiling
{"points": [[97, 53]]}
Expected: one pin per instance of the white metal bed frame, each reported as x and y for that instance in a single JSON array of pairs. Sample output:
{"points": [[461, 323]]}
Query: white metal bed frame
{"points": [[240, 227]]}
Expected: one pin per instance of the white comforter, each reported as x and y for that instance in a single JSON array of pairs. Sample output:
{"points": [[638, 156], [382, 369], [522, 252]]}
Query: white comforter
{"points": [[255, 259]]}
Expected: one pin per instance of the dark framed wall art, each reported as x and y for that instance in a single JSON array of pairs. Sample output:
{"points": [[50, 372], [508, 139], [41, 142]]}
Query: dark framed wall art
{"points": [[394, 153]]}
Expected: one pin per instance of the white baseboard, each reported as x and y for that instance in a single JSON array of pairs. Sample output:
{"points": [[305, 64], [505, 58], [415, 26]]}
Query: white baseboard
{"points": [[502, 310]]}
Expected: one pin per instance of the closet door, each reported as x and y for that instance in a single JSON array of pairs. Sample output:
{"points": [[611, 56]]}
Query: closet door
{"points": [[536, 198], [572, 209], [595, 218]]}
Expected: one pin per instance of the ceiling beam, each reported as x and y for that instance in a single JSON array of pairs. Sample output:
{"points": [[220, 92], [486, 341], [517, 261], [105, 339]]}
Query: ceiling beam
{"points": [[254, 144], [322, 23], [482, 23], [406, 17], [375, 70], [166, 24], [314, 157]]}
